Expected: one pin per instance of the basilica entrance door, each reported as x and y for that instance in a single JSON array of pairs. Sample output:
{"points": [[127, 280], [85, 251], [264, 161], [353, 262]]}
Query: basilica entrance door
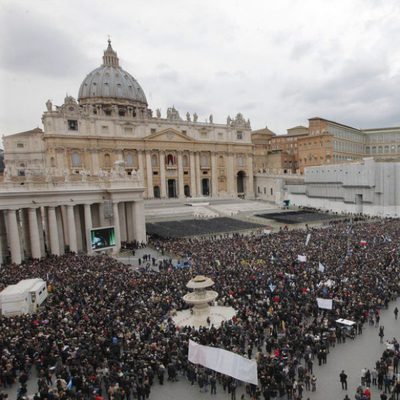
{"points": [[171, 188]]}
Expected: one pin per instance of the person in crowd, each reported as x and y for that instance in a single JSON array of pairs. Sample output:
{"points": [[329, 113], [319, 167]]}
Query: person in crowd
{"points": [[108, 329], [343, 380]]}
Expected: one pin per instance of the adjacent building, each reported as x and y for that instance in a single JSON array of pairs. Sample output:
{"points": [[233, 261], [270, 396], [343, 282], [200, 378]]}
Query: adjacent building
{"points": [[322, 142]]}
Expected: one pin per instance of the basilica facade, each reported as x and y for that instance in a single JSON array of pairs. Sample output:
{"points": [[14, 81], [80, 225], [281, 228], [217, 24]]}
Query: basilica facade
{"points": [[111, 130]]}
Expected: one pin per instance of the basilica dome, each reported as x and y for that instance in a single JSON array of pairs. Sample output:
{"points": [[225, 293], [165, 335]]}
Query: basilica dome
{"points": [[110, 81]]}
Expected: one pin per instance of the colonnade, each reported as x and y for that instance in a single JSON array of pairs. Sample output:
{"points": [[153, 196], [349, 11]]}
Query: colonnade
{"points": [[53, 229]]}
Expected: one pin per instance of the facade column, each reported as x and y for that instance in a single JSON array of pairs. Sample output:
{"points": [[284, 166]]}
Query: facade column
{"points": [[73, 246], [163, 189], [198, 174], [149, 176], [34, 233], [53, 232], [141, 166], [138, 221], [250, 178], [117, 229], [94, 155], [230, 175], [12, 231], [180, 176], [214, 175], [88, 227], [193, 189]]}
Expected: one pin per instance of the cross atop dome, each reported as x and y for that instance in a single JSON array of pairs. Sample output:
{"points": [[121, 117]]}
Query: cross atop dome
{"points": [[110, 57]]}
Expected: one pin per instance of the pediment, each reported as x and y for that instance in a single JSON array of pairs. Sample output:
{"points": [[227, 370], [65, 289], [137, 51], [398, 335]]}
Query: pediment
{"points": [[169, 135]]}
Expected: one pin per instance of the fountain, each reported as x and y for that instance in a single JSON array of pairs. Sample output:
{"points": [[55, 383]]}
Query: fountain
{"points": [[202, 314]]}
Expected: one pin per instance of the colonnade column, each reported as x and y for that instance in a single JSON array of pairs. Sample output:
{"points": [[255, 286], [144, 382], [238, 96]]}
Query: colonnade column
{"points": [[34, 233], [180, 176], [3, 238], [53, 231], [198, 173], [162, 175], [73, 246], [26, 236], [88, 227], [230, 175], [193, 191], [149, 173], [117, 228], [250, 183], [214, 175], [12, 231], [138, 221], [122, 222]]}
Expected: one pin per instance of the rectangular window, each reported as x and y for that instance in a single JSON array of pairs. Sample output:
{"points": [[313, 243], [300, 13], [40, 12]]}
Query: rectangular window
{"points": [[104, 129], [128, 130], [153, 130], [72, 125], [239, 135], [20, 145]]}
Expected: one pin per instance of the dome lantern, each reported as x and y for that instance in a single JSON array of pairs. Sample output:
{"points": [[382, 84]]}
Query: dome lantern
{"points": [[110, 57]]}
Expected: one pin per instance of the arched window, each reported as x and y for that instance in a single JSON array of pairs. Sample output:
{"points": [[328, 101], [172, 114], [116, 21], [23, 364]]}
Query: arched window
{"points": [[107, 161], [240, 160], [52, 162], [76, 159], [185, 161], [154, 161], [129, 159], [170, 159], [221, 161]]}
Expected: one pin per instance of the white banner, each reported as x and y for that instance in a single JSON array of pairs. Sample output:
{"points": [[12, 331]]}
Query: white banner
{"points": [[308, 238], [224, 361], [326, 304], [321, 268], [302, 258], [345, 322]]}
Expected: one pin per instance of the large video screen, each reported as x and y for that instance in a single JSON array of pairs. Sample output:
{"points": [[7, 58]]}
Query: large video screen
{"points": [[102, 238]]}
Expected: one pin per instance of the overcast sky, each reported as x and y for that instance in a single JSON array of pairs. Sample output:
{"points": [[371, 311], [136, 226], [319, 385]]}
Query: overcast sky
{"points": [[277, 62]]}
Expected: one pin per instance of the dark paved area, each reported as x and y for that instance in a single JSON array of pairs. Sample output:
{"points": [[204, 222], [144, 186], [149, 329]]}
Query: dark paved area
{"points": [[195, 227], [298, 217]]}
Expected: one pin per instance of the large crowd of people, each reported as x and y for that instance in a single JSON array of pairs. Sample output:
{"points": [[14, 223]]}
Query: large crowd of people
{"points": [[106, 329]]}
